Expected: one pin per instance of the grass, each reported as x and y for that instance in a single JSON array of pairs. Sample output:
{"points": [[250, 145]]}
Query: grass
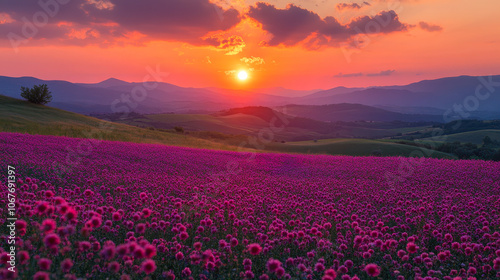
{"points": [[475, 137], [24, 117], [355, 147]]}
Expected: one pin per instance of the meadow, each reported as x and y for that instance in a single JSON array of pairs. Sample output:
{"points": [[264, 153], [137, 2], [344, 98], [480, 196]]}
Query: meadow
{"points": [[145, 211]]}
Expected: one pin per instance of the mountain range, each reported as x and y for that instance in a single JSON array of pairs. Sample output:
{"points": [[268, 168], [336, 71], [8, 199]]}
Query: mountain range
{"points": [[421, 101]]}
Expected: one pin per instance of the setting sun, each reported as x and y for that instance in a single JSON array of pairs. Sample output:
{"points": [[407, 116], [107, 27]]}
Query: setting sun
{"points": [[242, 75]]}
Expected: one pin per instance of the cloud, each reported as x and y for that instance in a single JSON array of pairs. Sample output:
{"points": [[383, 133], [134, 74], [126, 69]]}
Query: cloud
{"points": [[340, 75], [253, 60], [381, 73], [360, 74], [174, 20], [231, 45], [230, 72], [351, 6], [429, 27], [294, 25]]}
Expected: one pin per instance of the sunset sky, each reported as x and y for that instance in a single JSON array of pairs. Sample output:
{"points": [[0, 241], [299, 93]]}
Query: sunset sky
{"points": [[294, 44]]}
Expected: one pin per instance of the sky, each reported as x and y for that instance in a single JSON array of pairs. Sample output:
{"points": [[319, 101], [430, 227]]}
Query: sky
{"points": [[293, 44]]}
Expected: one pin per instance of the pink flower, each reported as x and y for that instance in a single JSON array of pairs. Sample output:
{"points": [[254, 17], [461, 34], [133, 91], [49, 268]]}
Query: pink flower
{"points": [[372, 270], [52, 240], [411, 247], [116, 216], [330, 272], [280, 271], [273, 264], [44, 264], [319, 267], [149, 251], [233, 242], [148, 266], [66, 265], [140, 228], [184, 235], [40, 275], [186, 271], [249, 274], [114, 267], [254, 249]]}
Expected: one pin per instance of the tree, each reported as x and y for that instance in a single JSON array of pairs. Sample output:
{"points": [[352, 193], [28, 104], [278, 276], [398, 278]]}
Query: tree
{"points": [[38, 94], [487, 140]]}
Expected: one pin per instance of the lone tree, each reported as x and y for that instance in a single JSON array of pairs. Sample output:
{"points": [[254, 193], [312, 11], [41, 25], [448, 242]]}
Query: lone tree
{"points": [[38, 94]]}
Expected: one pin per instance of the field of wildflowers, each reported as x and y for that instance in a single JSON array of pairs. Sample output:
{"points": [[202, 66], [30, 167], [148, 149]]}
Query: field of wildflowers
{"points": [[140, 211]]}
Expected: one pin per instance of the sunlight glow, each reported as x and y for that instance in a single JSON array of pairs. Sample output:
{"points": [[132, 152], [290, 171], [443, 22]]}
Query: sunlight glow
{"points": [[242, 75]]}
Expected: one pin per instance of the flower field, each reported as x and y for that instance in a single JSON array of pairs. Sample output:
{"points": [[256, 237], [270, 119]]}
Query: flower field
{"points": [[141, 211]]}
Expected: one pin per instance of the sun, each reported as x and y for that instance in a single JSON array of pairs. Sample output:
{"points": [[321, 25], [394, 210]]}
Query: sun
{"points": [[242, 75]]}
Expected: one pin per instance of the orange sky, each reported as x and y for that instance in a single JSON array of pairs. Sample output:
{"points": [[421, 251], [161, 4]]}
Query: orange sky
{"points": [[464, 40]]}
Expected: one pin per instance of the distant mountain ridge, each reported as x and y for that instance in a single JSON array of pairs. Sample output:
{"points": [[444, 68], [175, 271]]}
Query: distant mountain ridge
{"points": [[428, 97], [354, 112]]}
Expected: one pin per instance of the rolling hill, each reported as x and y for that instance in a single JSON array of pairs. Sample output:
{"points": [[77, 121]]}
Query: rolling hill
{"points": [[475, 137], [255, 121], [24, 117], [355, 147], [354, 112]]}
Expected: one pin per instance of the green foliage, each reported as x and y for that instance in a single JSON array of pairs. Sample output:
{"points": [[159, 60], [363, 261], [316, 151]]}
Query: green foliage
{"points": [[179, 129], [38, 94]]}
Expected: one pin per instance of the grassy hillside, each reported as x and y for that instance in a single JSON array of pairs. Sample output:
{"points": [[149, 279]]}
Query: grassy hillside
{"points": [[354, 147], [354, 112], [475, 137], [251, 120], [24, 117]]}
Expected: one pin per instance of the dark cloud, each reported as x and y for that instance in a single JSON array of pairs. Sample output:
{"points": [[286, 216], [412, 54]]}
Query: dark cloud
{"points": [[181, 20], [294, 25], [231, 45], [359, 74], [429, 27], [381, 73], [348, 6], [288, 26], [340, 75], [351, 6]]}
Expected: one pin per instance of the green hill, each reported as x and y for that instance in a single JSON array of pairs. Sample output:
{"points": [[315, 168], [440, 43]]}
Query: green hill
{"points": [[355, 147], [475, 137], [24, 117]]}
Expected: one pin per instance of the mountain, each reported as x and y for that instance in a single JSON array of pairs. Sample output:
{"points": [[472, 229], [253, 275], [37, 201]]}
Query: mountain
{"points": [[280, 91], [319, 95], [113, 95], [354, 112], [440, 94], [429, 97], [111, 82]]}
